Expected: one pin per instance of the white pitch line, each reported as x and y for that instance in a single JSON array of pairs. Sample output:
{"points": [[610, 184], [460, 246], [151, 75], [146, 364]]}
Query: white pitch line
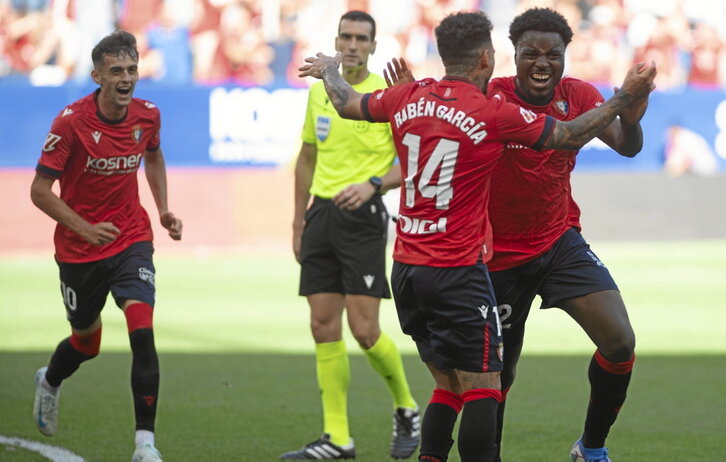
{"points": [[53, 453]]}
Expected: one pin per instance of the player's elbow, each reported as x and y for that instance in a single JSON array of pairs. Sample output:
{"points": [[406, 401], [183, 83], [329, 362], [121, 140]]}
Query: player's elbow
{"points": [[630, 151], [38, 193]]}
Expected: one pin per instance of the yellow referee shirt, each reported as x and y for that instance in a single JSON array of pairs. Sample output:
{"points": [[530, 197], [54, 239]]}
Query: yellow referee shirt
{"points": [[349, 151]]}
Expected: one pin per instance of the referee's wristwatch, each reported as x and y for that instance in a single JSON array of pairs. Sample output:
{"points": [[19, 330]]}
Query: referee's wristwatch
{"points": [[377, 183]]}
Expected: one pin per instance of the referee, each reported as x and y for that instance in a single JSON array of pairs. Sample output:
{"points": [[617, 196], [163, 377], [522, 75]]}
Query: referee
{"points": [[339, 239]]}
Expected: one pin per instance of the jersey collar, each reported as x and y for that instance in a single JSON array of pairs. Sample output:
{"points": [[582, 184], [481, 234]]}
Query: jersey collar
{"points": [[102, 117]]}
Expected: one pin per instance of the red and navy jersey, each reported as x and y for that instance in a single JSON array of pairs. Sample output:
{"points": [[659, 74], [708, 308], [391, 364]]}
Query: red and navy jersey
{"points": [[531, 203], [449, 137], [96, 162]]}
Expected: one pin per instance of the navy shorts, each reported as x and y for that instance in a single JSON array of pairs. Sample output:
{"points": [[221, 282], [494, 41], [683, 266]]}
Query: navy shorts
{"points": [[128, 275], [569, 269], [451, 314], [344, 251]]}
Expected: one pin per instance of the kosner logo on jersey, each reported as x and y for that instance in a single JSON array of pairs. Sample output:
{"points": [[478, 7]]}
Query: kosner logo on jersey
{"points": [[113, 165]]}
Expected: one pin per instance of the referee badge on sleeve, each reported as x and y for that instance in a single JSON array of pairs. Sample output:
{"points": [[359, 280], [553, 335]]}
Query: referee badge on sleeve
{"points": [[322, 127]]}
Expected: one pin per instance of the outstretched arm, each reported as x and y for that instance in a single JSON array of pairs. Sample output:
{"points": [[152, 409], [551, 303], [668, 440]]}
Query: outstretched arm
{"points": [[155, 169], [344, 98], [575, 133]]}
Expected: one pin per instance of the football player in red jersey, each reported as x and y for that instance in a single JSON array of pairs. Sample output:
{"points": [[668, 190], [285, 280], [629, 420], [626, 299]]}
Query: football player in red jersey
{"points": [[450, 136], [103, 239], [538, 248]]}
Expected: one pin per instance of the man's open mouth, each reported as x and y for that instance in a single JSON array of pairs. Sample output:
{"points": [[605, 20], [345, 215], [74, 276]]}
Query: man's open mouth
{"points": [[540, 77]]}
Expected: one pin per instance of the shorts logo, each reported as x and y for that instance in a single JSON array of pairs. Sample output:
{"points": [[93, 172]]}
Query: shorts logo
{"points": [[484, 311], [595, 259], [322, 127], [368, 279], [145, 274]]}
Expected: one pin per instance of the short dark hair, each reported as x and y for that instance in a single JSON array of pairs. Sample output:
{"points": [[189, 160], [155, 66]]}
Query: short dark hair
{"points": [[461, 36], [115, 44], [541, 20], [355, 15]]}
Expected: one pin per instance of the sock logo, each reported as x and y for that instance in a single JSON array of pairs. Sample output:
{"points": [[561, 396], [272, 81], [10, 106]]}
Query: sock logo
{"points": [[149, 400]]}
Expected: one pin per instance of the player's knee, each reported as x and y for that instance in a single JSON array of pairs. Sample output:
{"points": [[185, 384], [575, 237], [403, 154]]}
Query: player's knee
{"points": [[139, 316], [325, 330], [366, 335], [89, 344], [619, 348]]}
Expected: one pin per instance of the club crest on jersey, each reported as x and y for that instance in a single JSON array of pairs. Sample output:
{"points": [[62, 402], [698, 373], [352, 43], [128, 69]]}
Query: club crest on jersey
{"points": [[562, 106], [322, 127], [136, 133]]}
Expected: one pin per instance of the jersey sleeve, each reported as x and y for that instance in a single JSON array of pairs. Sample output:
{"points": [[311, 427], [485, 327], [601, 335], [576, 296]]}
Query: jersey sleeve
{"points": [[587, 96], [56, 149], [374, 105], [308, 131], [522, 126]]}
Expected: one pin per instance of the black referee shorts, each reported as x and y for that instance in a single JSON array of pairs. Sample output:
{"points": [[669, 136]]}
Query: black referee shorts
{"points": [[345, 252]]}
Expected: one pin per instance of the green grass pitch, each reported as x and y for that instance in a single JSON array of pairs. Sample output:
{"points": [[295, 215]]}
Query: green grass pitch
{"points": [[238, 378]]}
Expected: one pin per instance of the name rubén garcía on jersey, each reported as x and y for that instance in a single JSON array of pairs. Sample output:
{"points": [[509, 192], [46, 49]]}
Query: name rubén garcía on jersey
{"points": [[431, 108]]}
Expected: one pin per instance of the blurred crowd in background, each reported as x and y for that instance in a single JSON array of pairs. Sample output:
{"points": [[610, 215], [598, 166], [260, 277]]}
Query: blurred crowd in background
{"points": [[262, 42]]}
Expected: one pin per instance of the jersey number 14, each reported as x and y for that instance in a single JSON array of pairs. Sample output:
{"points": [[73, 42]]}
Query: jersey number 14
{"points": [[442, 159]]}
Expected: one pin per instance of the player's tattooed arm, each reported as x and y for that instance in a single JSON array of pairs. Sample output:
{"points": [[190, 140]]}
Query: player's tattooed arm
{"points": [[575, 133], [343, 97]]}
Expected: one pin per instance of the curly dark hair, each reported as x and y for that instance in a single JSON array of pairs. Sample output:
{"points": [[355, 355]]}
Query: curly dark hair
{"points": [[461, 35], [541, 20], [115, 44], [361, 16]]}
